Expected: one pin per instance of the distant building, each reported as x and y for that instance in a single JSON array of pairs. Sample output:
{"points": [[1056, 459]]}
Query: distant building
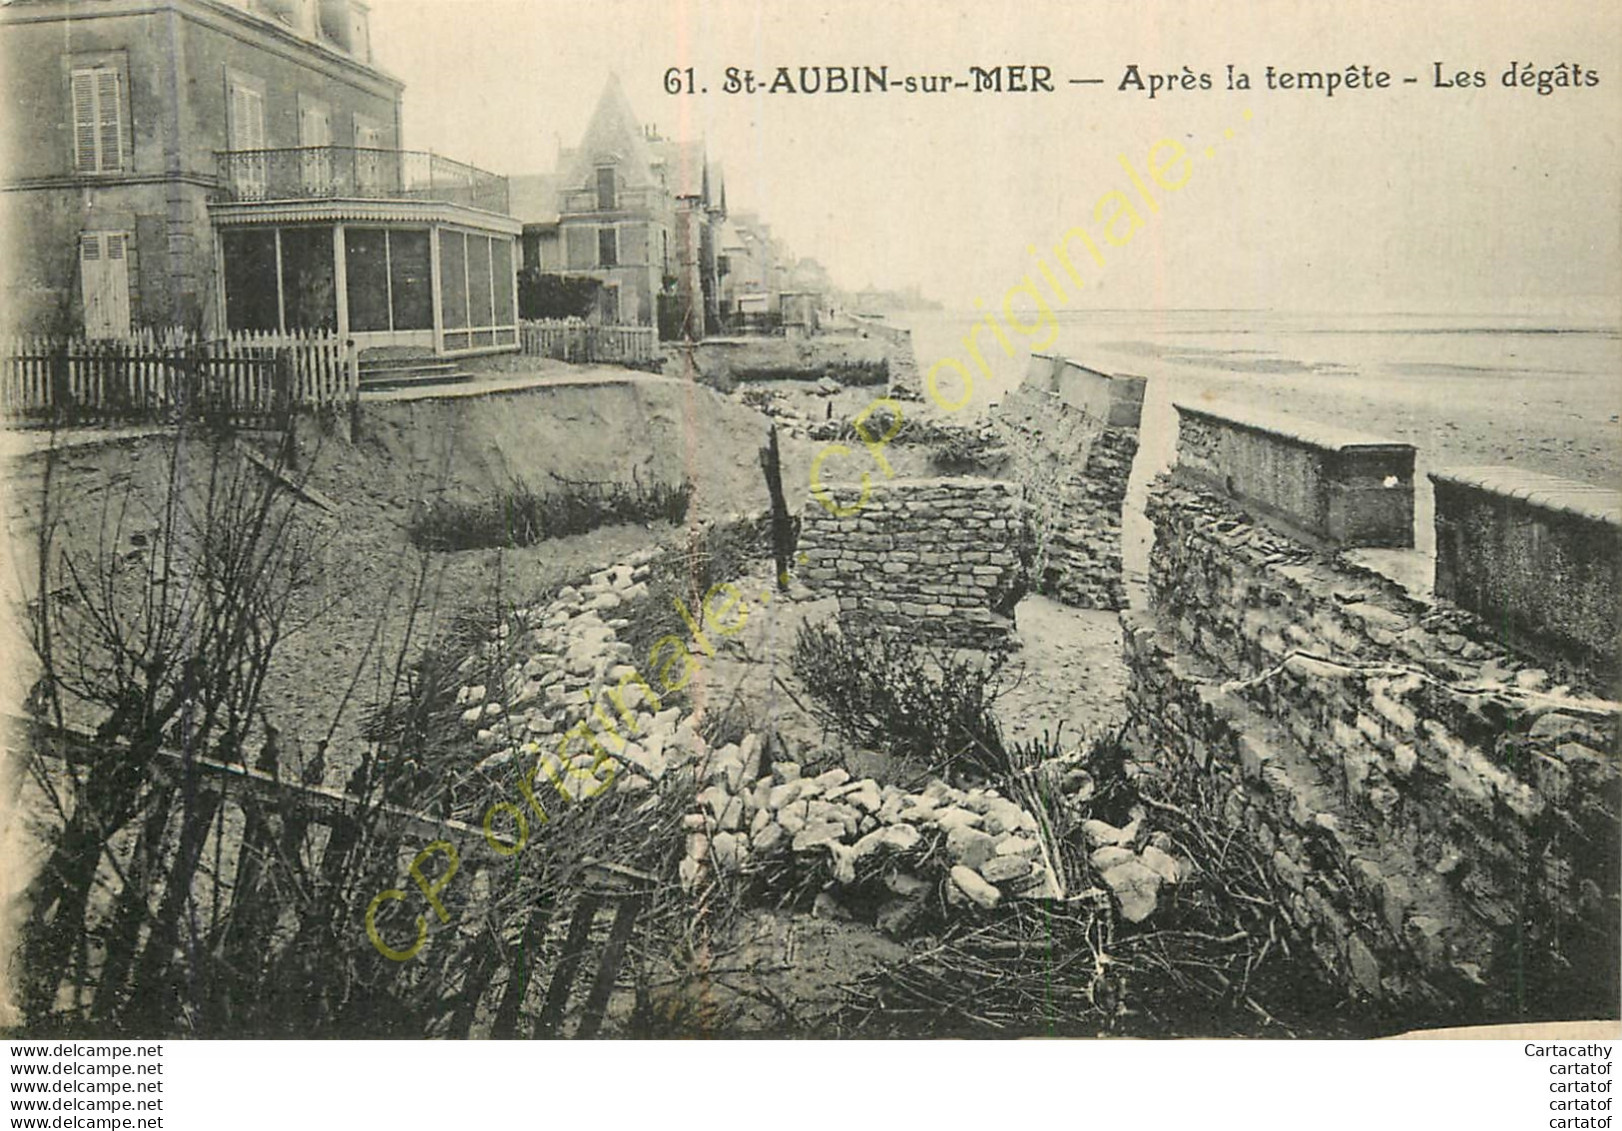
{"points": [[634, 211], [228, 166]]}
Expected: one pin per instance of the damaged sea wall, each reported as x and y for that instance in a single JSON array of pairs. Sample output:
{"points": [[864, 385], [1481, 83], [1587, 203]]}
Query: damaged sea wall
{"points": [[936, 559], [904, 381], [723, 362], [1439, 812], [1073, 433]]}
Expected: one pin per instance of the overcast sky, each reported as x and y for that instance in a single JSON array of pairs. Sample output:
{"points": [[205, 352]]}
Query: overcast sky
{"points": [[1411, 198]]}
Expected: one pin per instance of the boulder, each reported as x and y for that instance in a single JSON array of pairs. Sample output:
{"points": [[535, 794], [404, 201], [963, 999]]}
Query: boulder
{"points": [[1110, 855], [698, 846], [767, 838], [1136, 889], [970, 883], [866, 796], [1003, 816], [814, 836], [957, 817], [648, 757], [1163, 864], [1100, 833], [1018, 846], [970, 847], [1003, 869], [724, 851]]}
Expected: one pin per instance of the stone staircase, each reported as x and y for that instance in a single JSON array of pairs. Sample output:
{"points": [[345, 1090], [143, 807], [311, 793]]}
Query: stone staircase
{"points": [[383, 370]]}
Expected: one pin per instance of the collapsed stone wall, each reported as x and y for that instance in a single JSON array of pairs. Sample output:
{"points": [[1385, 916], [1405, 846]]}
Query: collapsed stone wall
{"points": [[1073, 434], [936, 559], [1441, 815]]}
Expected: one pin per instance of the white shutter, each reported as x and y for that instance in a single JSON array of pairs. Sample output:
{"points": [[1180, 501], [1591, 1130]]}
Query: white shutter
{"points": [[105, 283], [315, 134], [110, 126], [98, 121], [247, 129], [84, 121], [314, 126], [247, 118]]}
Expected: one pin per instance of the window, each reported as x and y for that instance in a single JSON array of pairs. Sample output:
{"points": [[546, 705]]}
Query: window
{"points": [[98, 120], [608, 247], [104, 279], [475, 290], [580, 252], [309, 295], [605, 189]]}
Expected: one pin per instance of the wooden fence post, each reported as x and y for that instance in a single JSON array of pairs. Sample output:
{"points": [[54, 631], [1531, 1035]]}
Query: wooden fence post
{"points": [[771, 463]]}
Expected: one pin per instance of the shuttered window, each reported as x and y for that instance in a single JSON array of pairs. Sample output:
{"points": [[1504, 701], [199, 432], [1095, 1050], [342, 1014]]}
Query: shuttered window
{"points": [[98, 120]]}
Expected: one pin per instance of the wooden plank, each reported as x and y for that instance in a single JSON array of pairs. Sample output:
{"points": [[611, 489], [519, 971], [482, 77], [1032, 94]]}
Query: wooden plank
{"points": [[619, 936], [522, 962], [159, 955], [323, 805], [574, 949]]}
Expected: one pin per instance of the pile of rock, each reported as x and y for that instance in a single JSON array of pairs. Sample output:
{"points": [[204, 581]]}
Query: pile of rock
{"points": [[984, 847], [975, 846], [567, 655]]}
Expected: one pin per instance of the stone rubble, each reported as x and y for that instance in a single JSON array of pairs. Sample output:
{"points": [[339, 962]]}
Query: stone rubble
{"points": [[570, 668]]}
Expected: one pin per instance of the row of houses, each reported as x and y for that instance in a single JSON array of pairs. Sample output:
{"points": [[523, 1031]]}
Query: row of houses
{"points": [[238, 166], [646, 218]]}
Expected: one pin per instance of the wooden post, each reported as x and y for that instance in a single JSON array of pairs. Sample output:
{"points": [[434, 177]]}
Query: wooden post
{"points": [[771, 462]]}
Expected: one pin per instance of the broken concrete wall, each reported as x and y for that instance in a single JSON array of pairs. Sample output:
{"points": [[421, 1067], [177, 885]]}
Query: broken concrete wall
{"points": [[1324, 481], [937, 559], [1539, 557], [1073, 433], [1440, 815]]}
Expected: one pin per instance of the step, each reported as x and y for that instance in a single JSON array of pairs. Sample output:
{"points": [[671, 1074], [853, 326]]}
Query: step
{"points": [[411, 380], [405, 365]]}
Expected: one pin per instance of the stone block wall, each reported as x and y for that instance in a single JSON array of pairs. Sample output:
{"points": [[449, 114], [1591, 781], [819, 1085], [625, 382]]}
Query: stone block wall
{"points": [[1439, 814], [937, 559], [1538, 556], [1073, 434]]}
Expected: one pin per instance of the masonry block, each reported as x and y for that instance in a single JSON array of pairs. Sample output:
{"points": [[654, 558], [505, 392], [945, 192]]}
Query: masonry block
{"points": [[1343, 487], [1538, 556]]}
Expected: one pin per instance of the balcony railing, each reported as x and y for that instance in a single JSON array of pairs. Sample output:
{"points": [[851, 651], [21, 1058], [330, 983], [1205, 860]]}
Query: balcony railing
{"points": [[345, 172], [576, 201]]}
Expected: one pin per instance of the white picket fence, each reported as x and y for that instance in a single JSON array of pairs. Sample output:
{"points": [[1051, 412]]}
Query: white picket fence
{"points": [[573, 339], [160, 375]]}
